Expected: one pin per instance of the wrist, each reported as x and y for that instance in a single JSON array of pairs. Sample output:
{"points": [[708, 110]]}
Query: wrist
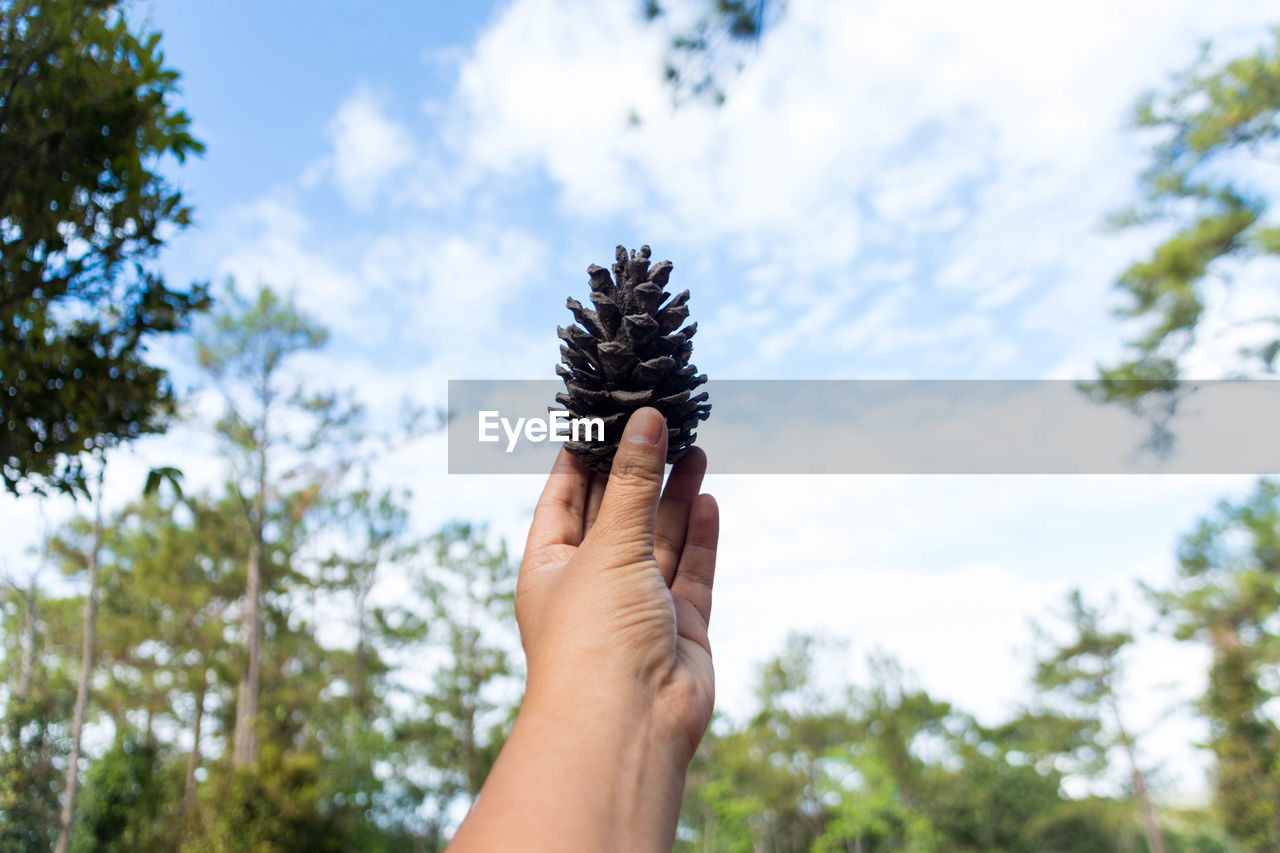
{"points": [[613, 710], [618, 762]]}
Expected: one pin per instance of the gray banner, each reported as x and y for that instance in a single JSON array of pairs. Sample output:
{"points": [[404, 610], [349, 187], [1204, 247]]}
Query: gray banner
{"points": [[901, 427]]}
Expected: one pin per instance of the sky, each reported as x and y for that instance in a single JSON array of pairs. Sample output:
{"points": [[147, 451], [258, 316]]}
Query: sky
{"points": [[889, 190]]}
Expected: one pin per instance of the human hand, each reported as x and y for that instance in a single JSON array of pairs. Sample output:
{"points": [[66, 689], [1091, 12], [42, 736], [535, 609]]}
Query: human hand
{"points": [[614, 594], [612, 601]]}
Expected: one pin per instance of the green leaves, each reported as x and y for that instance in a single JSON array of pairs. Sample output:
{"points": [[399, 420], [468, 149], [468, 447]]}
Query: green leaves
{"points": [[884, 767], [702, 56], [87, 119], [1228, 595], [1218, 128], [156, 477]]}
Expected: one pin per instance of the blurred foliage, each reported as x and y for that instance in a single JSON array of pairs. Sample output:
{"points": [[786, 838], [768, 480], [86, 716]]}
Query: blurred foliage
{"points": [[1084, 673], [286, 447], [377, 737], [32, 749], [714, 47], [86, 121], [127, 805], [1228, 596], [1217, 128], [886, 767]]}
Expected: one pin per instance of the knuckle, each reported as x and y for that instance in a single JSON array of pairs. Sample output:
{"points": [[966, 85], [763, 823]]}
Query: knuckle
{"points": [[632, 472], [625, 541]]}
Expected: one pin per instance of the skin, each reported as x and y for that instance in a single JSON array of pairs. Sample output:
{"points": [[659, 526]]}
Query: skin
{"points": [[613, 603]]}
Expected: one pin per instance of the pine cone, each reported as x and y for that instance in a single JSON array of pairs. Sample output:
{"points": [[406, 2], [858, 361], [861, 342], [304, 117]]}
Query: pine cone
{"points": [[627, 354]]}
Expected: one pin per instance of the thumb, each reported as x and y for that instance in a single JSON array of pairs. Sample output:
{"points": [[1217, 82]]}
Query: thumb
{"points": [[629, 509]]}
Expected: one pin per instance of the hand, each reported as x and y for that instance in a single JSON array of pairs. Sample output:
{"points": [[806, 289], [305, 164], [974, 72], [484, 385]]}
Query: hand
{"points": [[614, 594], [613, 601]]}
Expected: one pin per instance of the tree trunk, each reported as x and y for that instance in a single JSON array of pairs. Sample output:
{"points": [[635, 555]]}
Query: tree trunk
{"points": [[26, 667], [475, 775], [193, 760], [86, 672], [361, 662], [246, 746], [245, 743], [1155, 838], [1150, 828]]}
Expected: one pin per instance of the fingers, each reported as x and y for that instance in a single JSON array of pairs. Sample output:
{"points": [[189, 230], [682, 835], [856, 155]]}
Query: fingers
{"points": [[595, 494], [629, 508], [697, 570], [673, 510], [558, 517]]}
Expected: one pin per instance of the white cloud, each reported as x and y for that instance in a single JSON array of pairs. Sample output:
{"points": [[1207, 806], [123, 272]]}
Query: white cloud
{"points": [[270, 241], [368, 149], [460, 281], [987, 140]]}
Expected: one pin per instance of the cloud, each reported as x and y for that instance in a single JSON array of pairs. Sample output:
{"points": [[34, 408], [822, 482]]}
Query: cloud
{"points": [[459, 281], [985, 142], [368, 149], [271, 241]]}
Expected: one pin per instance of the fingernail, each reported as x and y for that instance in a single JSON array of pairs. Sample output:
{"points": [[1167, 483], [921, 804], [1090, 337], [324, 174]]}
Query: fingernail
{"points": [[646, 426]]}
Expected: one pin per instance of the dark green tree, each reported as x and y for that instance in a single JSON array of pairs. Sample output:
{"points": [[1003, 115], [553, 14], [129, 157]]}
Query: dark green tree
{"points": [[273, 806], [130, 799], [87, 120]]}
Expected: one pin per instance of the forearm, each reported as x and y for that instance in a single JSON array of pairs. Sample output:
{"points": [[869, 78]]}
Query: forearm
{"points": [[580, 775]]}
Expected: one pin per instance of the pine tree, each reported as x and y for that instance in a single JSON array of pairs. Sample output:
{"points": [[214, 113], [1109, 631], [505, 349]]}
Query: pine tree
{"points": [[1085, 671], [247, 349], [1228, 595]]}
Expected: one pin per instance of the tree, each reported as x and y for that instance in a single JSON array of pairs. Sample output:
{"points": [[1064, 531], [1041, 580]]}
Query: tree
{"points": [[1218, 128], [1228, 595], [33, 750], [129, 801], [759, 784], [372, 529], [174, 571], [883, 768], [712, 48], [246, 349], [86, 122], [469, 586], [1085, 674], [91, 553]]}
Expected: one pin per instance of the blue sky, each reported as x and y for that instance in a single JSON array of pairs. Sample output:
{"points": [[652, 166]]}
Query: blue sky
{"points": [[890, 190]]}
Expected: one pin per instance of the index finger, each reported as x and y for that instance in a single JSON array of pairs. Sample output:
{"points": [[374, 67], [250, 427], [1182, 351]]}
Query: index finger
{"points": [[557, 519], [696, 574]]}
